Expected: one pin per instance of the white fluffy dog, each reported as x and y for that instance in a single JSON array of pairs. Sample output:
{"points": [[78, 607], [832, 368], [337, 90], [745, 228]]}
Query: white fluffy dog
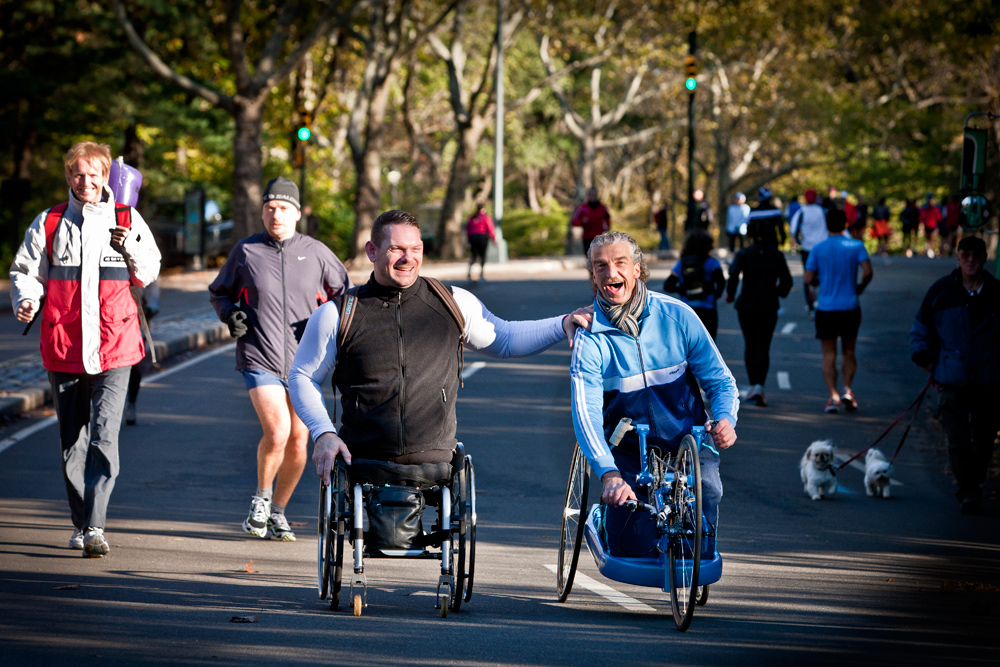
{"points": [[878, 474], [816, 468]]}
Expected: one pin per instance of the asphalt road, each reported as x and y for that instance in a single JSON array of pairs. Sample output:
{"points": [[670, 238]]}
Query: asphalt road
{"points": [[905, 581]]}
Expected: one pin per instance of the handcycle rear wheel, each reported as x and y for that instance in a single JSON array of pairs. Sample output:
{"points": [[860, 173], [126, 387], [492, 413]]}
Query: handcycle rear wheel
{"points": [[573, 520], [684, 559]]}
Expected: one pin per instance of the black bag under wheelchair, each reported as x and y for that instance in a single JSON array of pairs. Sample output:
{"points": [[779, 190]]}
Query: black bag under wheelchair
{"points": [[391, 499]]}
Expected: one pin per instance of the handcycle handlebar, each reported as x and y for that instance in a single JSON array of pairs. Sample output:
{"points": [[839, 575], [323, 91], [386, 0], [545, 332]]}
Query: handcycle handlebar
{"points": [[633, 505]]}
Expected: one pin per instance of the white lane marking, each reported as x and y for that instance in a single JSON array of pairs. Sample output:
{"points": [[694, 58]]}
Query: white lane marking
{"points": [[788, 328], [783, 381], [12, 440], [858, 465], [472, 369], [607, 592]]}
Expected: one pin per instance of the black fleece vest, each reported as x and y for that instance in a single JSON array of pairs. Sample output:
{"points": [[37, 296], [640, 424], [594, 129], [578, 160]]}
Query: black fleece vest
{"points": [[397, 373]]}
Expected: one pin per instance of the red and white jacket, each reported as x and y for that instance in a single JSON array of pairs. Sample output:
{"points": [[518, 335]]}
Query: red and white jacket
{"points": [[89, 322]]}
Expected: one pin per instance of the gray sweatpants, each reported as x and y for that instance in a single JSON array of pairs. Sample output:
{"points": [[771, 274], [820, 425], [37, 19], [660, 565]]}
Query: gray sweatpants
{"points": [[89, 409]]}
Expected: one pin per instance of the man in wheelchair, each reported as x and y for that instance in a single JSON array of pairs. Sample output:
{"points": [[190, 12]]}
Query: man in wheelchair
{"points": [[395, 346], [644, 357]]}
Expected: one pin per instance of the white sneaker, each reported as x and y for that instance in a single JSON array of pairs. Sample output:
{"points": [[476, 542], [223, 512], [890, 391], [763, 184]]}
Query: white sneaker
{"points": [[256, 521], [76, 542], [95, 545], [280, 530], [759, 396]]}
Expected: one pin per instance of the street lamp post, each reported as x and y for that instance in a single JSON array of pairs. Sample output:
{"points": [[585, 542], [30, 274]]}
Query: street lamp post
{"points": [[500, 253]]}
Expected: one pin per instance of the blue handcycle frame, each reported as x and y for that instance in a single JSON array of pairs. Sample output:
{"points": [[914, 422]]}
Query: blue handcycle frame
{"points": [[649, 572]]}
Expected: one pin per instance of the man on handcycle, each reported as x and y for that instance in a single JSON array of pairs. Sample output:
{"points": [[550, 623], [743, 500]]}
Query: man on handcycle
{"points": [[644, 358], [399, 369]]}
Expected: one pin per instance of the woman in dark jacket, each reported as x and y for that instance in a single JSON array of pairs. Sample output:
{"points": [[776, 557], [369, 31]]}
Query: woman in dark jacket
{"points": [[697, 279], [765, 278]]}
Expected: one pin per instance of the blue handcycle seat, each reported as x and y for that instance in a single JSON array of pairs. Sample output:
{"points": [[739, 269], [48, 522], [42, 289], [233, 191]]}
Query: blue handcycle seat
{"points": [[639, 571]]}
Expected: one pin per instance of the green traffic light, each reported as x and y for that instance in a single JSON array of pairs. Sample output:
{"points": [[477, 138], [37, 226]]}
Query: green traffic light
{"points": [[691, 83], [304, 133]]}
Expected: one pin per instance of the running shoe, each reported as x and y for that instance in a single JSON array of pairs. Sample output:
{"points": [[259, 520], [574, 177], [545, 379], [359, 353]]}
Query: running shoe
{"points": [[256, 521], [94, 544], [76, 542], [279, 528], [833, 406], [847, 398]]}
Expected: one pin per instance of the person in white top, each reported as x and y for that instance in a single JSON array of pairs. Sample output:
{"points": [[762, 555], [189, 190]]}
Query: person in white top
{"points": [[736, 221], [808, 227]]}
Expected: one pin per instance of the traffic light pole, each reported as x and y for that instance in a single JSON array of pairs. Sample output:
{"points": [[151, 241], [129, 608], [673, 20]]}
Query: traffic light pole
{"points": [[691, 212]]}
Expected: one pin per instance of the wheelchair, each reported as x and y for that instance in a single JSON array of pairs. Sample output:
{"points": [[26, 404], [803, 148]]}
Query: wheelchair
{"points": [[673, 482], [368, 492]]}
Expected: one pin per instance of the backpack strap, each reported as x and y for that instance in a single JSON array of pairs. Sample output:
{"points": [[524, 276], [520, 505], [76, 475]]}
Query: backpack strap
{"points": [[347, 311], [123, 216], [444, 293], [448, 299], [51, 222]]}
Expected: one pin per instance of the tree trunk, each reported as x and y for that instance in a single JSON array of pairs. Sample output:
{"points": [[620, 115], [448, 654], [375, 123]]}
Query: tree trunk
{"points": [[451, 240], [532, 189], [584, 180], [247, 171], [368, 164]]}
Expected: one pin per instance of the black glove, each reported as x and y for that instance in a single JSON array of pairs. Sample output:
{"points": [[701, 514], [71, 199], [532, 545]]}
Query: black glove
{"points": [[236, 319]]}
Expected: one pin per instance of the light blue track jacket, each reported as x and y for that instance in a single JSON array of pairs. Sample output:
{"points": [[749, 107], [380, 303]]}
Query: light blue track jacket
{"points": [[650, 380]]}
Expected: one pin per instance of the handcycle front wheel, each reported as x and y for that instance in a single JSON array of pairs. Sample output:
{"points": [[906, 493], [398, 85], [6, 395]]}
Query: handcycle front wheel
{"points": [[573, 520], [685, 533]]}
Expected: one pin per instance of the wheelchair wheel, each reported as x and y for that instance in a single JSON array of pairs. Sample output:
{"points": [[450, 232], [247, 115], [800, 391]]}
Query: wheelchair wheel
{"points": [[468, 568], [459, 544], [685, 532], [338, 528], [702, 595], [324, 539], [573, 520]]}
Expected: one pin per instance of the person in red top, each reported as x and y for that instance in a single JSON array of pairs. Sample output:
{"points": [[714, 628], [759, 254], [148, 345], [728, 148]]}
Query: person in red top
{"points": [[74, 271], [480, 231], [949, 230], [930, 218], [593, 216]]}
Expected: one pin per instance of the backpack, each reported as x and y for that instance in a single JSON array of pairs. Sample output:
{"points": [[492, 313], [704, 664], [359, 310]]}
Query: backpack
{"points": [[693, 284]]}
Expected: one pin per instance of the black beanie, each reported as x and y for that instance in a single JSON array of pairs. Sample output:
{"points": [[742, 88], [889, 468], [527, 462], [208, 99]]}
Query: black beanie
{"points": [[282, 189]]}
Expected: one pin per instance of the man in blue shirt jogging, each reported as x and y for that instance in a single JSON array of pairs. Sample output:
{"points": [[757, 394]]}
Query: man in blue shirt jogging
{"points": [[833, 265]]}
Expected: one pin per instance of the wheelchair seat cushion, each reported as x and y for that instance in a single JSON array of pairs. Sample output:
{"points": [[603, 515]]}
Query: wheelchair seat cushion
{"points": [[379, 473]]}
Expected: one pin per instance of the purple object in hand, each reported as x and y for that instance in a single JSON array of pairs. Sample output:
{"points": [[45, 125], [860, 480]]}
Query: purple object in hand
{"points": [[125, 182]]}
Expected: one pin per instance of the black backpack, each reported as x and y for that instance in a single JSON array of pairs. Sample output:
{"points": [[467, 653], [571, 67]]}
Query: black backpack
{"points": [[693, 284]]}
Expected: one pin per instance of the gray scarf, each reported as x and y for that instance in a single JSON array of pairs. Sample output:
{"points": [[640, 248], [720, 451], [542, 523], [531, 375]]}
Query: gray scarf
{"points": [[625, 316]]}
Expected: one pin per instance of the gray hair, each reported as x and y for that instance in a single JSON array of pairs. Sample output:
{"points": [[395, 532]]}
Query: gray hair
{"points": [[611, 238]]}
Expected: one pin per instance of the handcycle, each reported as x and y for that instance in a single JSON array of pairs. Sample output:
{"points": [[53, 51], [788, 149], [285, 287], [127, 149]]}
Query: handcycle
{"points": [[673, 482], [354, 493]]}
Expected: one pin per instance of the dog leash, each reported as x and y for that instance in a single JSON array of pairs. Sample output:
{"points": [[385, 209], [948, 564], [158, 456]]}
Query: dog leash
{"points": [[915, 406]]}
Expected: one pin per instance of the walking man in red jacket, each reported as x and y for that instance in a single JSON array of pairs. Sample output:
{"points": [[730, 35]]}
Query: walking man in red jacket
{"points": [[76, 266], [593, 216]]}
